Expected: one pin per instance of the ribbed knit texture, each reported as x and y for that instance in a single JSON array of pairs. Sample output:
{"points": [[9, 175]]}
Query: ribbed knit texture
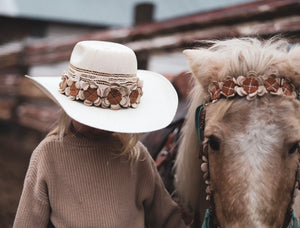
{"points": [[79, 182]]}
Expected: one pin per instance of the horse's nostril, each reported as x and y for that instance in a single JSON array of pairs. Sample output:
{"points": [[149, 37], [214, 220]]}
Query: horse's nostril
{"points": [[214, 143]]}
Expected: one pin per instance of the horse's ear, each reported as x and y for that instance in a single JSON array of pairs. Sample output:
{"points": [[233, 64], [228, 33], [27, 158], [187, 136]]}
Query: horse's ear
{"points": [[191, 54], [197, 55], [204, 64]]}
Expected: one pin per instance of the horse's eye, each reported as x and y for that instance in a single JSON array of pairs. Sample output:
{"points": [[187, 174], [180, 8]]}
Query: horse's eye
{"points": [[294, 148], [214, 143]]}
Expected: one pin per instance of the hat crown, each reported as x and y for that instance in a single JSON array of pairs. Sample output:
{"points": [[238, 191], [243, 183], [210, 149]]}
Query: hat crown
{"points": [[105, 57]]}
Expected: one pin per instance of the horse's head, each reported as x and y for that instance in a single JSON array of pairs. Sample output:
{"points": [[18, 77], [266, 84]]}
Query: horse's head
{"points": [[251, 135]]}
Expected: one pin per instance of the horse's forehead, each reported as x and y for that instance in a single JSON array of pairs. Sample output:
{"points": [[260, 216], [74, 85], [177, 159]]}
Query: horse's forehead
{"points": [[275, 118], [260, 137]]}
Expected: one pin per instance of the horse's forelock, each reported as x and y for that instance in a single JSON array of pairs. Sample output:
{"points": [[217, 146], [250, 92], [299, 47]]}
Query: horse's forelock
{"points": [[237, 57]]}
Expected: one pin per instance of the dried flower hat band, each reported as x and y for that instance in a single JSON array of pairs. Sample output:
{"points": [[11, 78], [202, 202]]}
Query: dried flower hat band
{"points": [[113, 91], [251, 86]]}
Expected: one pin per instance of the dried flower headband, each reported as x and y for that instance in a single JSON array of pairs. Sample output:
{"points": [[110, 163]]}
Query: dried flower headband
{"points": [[113, 91], [251, 86]]}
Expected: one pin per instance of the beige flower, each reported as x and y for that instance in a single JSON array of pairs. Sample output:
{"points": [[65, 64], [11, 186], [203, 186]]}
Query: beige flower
{"points": [[91, 97], [136, 94], [115, 97], [88, 93]]}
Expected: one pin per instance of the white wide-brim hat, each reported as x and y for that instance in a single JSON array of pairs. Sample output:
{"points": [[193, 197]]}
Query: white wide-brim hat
{"points": [[104, 69]]}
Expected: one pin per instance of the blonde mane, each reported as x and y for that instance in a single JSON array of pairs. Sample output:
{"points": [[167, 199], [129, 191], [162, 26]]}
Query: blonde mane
{"points": [[233, 57]]}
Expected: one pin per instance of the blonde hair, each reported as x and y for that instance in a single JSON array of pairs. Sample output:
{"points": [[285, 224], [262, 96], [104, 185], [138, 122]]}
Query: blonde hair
{"points": [[129, 140]]}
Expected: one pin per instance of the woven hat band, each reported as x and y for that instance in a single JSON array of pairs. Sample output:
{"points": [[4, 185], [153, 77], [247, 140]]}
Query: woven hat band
{"points": [[73, 69], [100, 77]]}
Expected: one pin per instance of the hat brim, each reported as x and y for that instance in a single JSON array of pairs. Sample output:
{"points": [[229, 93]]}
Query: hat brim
{"points": [[156, 110]]}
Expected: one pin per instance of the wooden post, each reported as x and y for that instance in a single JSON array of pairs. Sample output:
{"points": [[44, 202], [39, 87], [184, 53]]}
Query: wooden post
{"points": [[143, 15]]}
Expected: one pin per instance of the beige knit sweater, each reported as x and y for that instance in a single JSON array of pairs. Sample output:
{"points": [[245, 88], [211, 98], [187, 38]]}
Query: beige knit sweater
{"points": [[79, 182]]}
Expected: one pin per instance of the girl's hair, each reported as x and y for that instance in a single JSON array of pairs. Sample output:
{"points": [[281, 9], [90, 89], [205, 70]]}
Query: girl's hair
{"points": [[129, 140]]}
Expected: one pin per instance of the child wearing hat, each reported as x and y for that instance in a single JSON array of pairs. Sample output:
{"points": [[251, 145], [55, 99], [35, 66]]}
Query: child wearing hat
{"points": [[92, 171]]}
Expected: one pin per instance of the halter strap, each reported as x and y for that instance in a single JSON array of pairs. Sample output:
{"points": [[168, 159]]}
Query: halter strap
{"points": [[206, 220], [293, 221], [199, 122]]}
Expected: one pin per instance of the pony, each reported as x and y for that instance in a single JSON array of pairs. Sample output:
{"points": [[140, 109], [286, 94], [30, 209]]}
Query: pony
{"points": [[242, 159]]}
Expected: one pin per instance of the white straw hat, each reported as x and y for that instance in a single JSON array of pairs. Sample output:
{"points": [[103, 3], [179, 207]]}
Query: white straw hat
{"points": [[103, 89]]}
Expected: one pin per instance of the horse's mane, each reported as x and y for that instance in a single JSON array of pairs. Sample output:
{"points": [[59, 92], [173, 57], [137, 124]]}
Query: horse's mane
{"points": [[233, 57]]}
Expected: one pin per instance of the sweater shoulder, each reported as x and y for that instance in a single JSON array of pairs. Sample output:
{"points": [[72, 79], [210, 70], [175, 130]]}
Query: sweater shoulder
{"points": [[48, 140], [144, 153], [42, 154], [45, 147], [146, 163]]}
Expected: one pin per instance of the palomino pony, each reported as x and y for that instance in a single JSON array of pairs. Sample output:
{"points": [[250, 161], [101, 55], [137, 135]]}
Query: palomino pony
{"points": [[246, 152]]}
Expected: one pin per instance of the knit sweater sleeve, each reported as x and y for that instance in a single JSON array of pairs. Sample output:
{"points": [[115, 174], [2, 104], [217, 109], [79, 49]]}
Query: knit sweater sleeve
{"points": [[160, 210], [34, 208]]}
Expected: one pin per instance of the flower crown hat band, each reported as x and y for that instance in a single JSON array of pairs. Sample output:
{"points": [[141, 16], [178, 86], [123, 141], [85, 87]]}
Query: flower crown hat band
{"points": [[103, 88]]}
